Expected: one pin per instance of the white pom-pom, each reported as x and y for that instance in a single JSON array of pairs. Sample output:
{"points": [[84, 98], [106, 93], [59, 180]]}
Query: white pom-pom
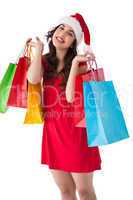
{"points": [[87, 49]]}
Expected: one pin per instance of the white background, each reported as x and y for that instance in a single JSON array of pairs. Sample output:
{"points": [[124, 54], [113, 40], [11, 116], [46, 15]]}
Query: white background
{"points": [[21, 174]]}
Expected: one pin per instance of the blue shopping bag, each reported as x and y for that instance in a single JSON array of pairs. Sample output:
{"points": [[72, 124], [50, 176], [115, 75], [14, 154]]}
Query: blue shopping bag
{"points": [[105, 122]]}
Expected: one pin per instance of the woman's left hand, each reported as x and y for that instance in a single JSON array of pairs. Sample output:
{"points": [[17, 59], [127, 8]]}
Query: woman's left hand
{"points": [[86, 66]]}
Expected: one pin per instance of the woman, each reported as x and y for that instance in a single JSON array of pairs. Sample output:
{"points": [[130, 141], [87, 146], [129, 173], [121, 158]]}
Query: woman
{"points": [[64, 146]]}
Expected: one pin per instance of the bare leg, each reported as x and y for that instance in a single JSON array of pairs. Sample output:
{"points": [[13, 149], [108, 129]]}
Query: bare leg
{"points": [[65, 183], [84, 185]]}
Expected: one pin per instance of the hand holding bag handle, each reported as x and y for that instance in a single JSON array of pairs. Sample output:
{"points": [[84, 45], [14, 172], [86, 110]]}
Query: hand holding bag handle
{"points": [[92, 69], [92, 75], [7, 80], [18, 91]]}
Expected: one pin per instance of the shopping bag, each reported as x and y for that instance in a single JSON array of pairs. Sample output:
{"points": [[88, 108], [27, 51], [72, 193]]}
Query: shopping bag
{"points": [[18, 92], [98, 74], [34, 114], [35, 110], [5, 86], [105, 122], [6, 83]]}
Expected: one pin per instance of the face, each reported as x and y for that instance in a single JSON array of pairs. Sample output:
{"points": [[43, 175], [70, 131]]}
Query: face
{"points": [[63, 37]]}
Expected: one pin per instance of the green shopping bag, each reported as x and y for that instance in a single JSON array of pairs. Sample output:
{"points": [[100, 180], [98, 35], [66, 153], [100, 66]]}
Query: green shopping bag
{"points": [[6, 83], [5, 86]]}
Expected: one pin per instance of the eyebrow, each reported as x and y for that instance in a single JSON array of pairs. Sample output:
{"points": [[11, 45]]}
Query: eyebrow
{"points": [[69, 30]]}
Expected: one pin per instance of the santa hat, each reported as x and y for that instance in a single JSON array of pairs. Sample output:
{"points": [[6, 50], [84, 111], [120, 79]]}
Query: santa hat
{"points": [[79, 27]]}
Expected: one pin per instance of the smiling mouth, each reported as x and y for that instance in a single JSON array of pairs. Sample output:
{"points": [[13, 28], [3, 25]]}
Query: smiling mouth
{"points": [[59, 39]]}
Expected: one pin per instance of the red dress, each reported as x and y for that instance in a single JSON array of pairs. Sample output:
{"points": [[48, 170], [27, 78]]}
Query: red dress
{"points": [[64, 146]]}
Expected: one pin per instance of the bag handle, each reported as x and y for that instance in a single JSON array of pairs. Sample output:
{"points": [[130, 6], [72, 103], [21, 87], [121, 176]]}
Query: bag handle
{"points": [[25, 51], [20, 54], [92, 69]]}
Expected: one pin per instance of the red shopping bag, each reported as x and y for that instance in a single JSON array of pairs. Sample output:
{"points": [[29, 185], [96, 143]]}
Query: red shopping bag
{"points": [[18, 92], [93, 74]]}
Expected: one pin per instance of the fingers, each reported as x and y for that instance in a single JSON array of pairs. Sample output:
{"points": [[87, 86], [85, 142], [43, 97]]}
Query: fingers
{"points": [[83, 58], [86, 58], [28, 40], [37, 38], [32, 44], [88, 68], [90, 63], [90, 55]]}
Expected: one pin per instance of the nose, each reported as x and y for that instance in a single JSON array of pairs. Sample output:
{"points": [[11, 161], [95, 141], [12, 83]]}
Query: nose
{"points": [[63, 34]]}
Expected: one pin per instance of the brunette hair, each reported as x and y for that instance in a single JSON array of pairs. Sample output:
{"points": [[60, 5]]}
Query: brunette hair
{"points": [[52, 61]]}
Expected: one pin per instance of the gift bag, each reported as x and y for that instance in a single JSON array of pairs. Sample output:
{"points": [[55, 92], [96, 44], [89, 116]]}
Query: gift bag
{"points": [[105, 122], [34, 112], [7, 81], [18, 92], [79, 114], [5, 86]]}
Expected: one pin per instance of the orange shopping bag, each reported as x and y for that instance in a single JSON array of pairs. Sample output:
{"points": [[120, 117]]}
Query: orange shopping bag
{"points": [[34, 114]]}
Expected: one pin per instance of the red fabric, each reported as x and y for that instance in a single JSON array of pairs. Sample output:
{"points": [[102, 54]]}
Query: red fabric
{"points": [[18, 93], [64, 146], [84, 27], [79, 117]]}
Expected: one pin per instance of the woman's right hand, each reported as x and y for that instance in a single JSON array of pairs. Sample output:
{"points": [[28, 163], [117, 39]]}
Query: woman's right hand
{"points": [[38, 45]]}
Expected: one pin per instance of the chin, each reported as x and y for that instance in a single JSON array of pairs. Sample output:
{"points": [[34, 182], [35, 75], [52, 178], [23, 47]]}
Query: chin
{"points": [[58, 46]]}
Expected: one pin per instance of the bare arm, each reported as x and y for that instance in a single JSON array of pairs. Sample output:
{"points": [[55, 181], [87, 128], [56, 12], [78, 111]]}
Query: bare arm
{"points": [[75, 70], [35, 71], [70, 87]]}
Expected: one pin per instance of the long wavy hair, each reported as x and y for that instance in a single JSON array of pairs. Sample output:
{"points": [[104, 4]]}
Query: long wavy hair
{"points": [[52, 61]]}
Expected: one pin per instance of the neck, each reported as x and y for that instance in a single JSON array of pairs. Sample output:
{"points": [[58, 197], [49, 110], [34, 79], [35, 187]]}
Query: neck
{"points": [[60, 55]]}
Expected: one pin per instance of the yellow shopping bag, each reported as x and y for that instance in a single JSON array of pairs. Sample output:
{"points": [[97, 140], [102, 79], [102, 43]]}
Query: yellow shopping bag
{"points": [[34, 114]]}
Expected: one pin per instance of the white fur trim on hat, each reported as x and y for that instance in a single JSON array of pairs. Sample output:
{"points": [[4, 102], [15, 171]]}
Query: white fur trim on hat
{"points": [[87, 48], [71, 21]]}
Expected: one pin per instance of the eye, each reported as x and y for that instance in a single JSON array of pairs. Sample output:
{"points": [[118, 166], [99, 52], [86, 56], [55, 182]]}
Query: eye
{"points": [[70, 34]]}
